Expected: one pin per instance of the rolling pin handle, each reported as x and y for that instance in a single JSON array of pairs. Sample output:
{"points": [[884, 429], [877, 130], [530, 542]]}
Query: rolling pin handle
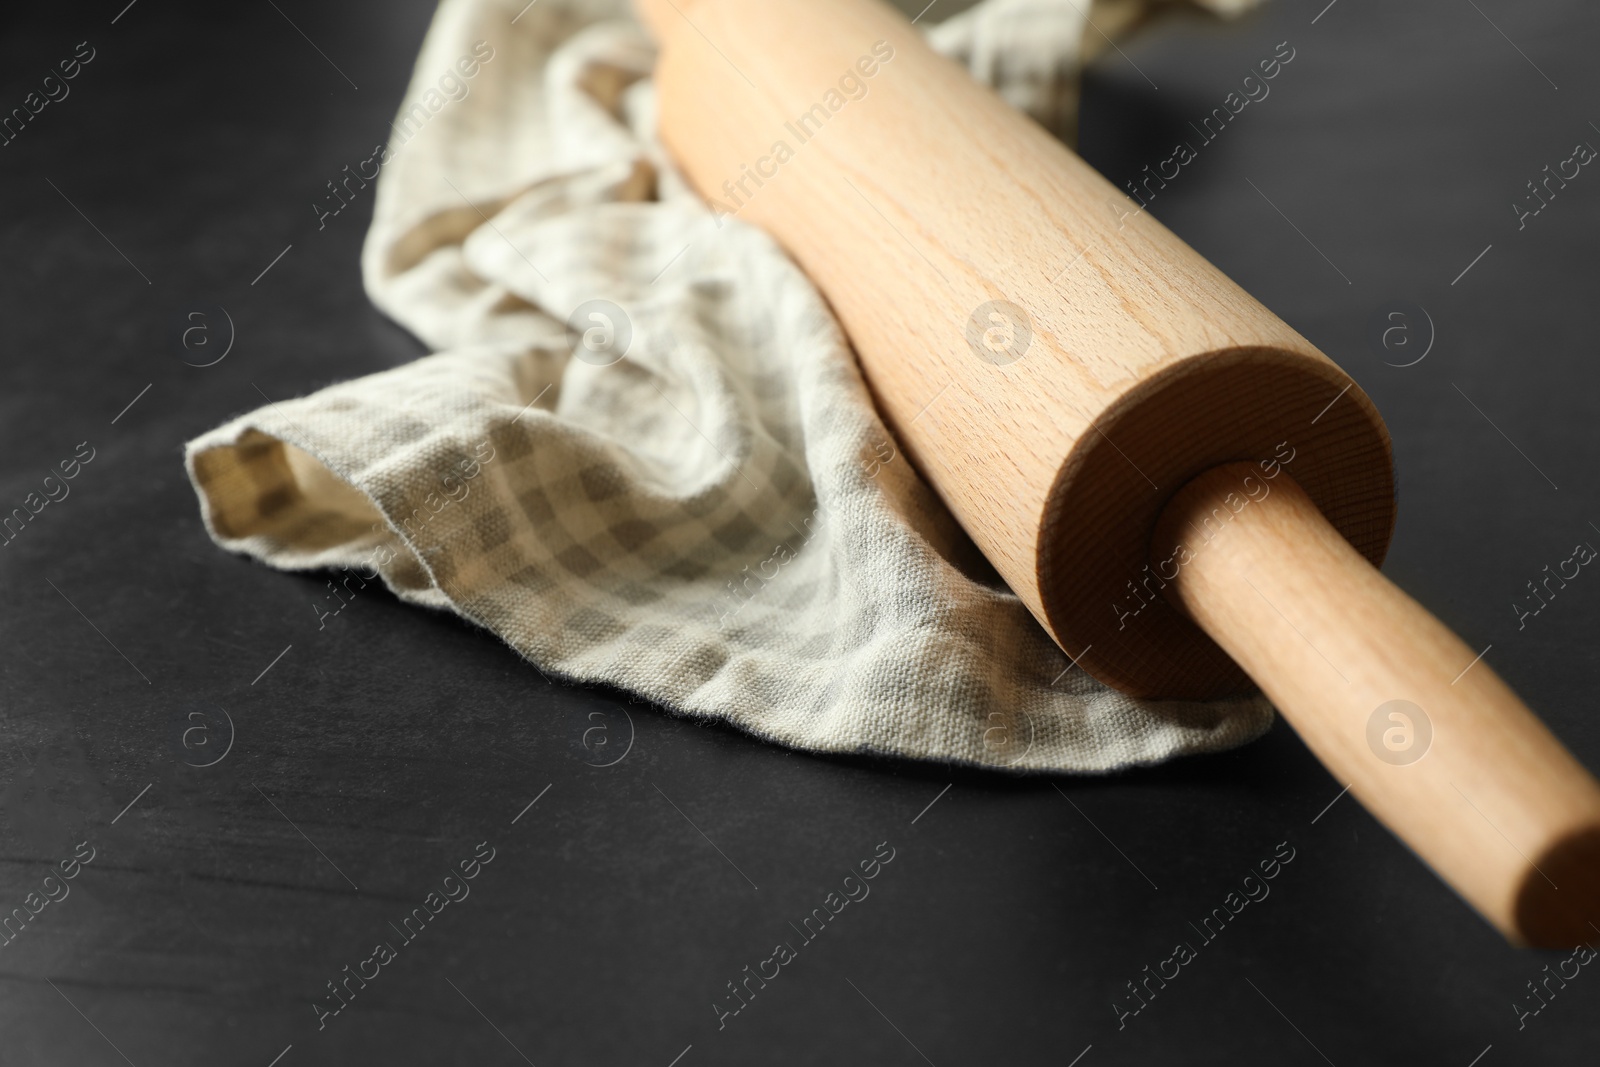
{"points": [[1429, 738]]}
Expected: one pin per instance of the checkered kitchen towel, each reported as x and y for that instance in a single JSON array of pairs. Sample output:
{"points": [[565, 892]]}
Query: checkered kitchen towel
{"points": [[643, 454]]}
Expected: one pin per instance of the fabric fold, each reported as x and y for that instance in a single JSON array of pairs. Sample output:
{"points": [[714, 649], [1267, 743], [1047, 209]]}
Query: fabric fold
{"points": [[643, 454]]}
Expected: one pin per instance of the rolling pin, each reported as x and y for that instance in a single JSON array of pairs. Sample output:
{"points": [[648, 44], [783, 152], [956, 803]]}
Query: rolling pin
{"points": [[1187, 494]]}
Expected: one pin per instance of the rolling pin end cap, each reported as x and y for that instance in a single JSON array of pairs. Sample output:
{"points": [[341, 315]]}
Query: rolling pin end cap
{"points": [[1558, 904]]}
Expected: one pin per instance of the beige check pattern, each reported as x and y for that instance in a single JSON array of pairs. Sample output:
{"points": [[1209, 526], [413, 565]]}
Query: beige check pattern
{"points": [[716, 520]]}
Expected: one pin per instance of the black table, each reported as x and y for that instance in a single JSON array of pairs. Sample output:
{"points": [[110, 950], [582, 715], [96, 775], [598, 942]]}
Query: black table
{"points": [[371, 758]]}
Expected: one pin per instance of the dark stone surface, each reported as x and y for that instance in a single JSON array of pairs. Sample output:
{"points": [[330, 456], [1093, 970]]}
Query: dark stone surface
{"points": [[396, 740]]}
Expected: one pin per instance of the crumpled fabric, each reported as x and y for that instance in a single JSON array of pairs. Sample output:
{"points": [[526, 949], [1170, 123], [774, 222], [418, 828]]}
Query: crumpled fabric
{"points": [[643, 454]]}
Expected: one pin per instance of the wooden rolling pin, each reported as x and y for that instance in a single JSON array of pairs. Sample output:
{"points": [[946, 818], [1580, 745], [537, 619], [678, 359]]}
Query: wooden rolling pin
{"points": [[1180, 487]]}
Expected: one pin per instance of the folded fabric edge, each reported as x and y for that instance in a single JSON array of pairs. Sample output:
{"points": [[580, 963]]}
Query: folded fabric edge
{"points": [[268, 497]]}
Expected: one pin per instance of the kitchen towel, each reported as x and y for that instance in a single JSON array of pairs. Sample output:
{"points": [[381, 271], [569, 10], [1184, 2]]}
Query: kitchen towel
{"points": [[642, 453]]}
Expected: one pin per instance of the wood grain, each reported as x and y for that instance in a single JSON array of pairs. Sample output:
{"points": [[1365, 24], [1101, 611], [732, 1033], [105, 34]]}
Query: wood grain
{"points": [[1081, 387], [926, 198]]}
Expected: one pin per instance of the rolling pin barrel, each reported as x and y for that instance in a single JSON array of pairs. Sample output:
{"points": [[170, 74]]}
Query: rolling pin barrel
{"points": [[1077, 384]]}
